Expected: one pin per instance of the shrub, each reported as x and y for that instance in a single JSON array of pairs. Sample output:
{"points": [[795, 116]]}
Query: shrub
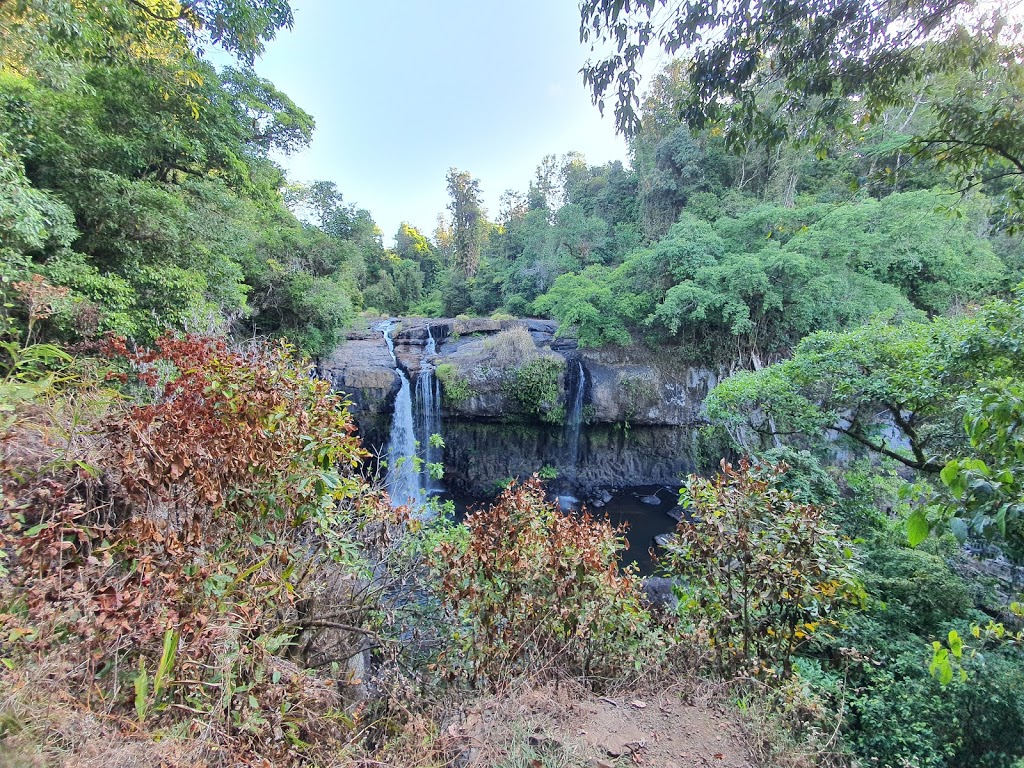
{"points": [[532, 588], [899, 715], [535, 388], [176, 567], [641, 392], [512, 347], [760, 573], [548, 472], [455, 388]]}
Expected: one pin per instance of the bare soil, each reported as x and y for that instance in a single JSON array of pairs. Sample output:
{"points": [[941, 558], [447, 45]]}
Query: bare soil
{"points": [[570, 727]]}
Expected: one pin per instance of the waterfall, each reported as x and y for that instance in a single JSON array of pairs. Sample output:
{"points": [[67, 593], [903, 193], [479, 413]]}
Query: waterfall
{"points": [[427, 409], [575, 386], [402, 482]]}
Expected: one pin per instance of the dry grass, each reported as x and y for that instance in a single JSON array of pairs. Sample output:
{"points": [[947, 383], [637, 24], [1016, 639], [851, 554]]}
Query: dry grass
{"points": [[512, 347], [44, 724], [41, 724]]}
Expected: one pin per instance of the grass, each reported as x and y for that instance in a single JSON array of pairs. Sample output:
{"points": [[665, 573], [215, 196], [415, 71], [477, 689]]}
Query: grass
{"points": [[512, 347]]}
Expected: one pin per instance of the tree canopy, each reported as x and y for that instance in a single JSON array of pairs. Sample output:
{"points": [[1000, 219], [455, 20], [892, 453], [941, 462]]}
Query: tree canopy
{"points": [[776, 72]]}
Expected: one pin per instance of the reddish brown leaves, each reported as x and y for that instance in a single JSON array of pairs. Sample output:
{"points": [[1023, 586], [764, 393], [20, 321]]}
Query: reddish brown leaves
{"points": [[536, 585]]}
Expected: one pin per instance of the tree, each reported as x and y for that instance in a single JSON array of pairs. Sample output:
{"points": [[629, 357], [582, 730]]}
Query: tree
{"points": [[754, 64], [413, 245], [758, 572], [977, 133], [821, 51], [882, 385], [467, 219], [116, 31], [274, 121]]}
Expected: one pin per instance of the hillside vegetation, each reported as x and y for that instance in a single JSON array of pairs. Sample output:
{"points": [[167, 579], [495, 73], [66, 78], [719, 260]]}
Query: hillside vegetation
{"points": [[199, 564]]}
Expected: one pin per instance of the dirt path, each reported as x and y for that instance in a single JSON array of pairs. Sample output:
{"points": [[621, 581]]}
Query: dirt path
{"points": [[555, 727]]}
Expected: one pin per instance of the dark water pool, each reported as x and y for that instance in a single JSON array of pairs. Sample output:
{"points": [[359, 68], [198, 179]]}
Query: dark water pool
{"points": [[643, 522]]}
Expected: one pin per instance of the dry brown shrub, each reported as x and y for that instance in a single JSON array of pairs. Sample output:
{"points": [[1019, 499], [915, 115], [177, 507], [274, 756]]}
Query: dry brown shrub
{"points": [[512, 347]]}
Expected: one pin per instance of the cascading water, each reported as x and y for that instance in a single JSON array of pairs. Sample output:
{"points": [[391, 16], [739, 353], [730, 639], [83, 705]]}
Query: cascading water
{"points": [[427, 409], [402, 482], [575, 387]]}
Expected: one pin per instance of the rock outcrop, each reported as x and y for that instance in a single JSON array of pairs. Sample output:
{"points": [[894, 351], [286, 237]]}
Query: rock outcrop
{"points": [[362, 369]]}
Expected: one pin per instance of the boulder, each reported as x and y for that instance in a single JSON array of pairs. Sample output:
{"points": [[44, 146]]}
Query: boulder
{"points": [[664, 540], [658, 593]]}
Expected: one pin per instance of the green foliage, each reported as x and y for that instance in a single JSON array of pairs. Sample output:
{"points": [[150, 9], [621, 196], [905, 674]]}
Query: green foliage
{"points": [[585, 303], [917, 380], [548, 472], [925, 244], [137, 176], [861, 383], [765, 76], [900, 714], [534, 386], [769, 277], [455, 388], [761, 574], [534, 589], [805, 478], [986, 489], [468, 221]]}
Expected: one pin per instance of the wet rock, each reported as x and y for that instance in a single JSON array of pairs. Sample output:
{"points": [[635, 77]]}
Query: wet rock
{"points": [[363, 370], [677, 513], [534, 325], [664, 540], [479, 453], [658, 593], [653, 501], [564, 344]]}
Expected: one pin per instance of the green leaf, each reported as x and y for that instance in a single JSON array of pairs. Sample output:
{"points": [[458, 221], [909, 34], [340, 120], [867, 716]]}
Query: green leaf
{"points": [[959, 528], [917, 527], [956, 645], [951, 477], [142, 691]]}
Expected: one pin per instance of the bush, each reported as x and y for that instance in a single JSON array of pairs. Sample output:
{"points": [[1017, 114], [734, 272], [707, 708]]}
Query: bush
{"points": [[174, 568], [899, 715], [533, 589], [760, 573], [512, 347], [535, 388], [455, 388]]}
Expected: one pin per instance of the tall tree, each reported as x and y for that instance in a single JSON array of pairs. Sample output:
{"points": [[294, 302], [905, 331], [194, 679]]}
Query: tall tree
{"points": [[467, 219]]}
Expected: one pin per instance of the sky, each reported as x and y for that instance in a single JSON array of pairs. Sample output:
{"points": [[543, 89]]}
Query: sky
{"points": [[403, 90]]}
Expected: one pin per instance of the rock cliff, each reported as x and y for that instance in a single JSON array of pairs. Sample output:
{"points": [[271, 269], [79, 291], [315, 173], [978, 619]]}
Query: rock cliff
{"points": [[640, 409]]}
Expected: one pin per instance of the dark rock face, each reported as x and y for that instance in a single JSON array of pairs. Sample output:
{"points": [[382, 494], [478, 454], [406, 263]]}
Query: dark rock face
{"points": [[634, 385], [480, 457], [659, 593], [641, 407]]}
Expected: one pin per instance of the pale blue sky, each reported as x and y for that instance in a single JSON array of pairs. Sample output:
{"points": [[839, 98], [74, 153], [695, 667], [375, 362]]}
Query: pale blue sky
{"points": [[403, 90]]}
